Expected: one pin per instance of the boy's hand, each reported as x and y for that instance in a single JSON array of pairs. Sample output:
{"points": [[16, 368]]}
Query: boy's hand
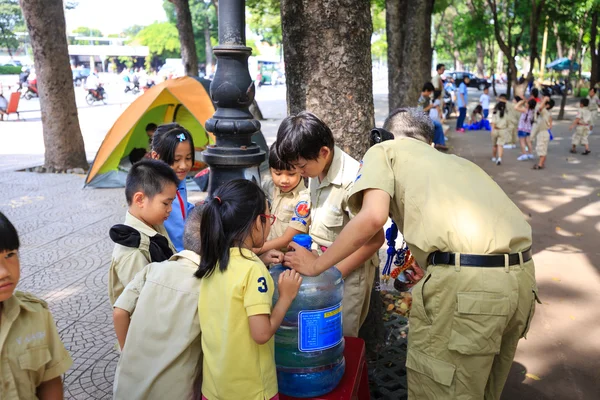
{"points": [[300, 260], [271, 257], [414, 274], [289, 284]]}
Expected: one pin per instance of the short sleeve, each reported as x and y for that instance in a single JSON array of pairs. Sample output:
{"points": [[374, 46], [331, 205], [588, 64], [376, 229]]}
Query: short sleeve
{"points": [[128, 299], [130, 266], [375, 173], [258, 292], [60, 361], [301, 218]]}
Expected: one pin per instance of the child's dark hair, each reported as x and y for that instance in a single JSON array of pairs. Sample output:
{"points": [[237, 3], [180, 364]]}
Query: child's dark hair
{"points": [[302, 135], [428, 87], [227, 220], [436, 94], [275, 162], [584, 102], [165, 141], [550, 104], [478, 109], [9, 238], [531, 104], [504, 96], [518, 98], [535, 92], [500, 108], [151, 127], [592, 88], [149, 177]]}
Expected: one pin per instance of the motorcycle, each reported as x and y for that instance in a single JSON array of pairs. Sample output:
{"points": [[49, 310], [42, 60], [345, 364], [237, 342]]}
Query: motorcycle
{"points": [[30, 91], [133, 87], [95, 95], [448, 105]]}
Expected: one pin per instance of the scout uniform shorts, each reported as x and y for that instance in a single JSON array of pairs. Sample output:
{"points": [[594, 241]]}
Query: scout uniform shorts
{"points": [[580, 137], [499, 137], [542, 142]]}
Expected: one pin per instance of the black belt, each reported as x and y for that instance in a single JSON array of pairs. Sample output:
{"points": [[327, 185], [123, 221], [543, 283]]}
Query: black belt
{"points": [[477, 260]]}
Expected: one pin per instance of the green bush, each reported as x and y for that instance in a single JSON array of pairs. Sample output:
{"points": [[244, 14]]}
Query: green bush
{"points": [[9, 70]]}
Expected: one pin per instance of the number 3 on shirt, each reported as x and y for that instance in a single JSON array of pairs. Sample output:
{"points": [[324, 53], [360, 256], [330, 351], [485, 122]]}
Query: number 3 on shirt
{"points": [[263, 282]]}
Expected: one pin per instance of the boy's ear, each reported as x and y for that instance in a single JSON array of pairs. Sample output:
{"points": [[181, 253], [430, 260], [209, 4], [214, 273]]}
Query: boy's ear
{"points": [[138, 199], [154, 155], [324, 151]]}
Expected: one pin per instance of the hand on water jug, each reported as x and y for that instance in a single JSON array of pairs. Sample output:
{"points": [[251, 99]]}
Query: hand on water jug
{"points": [[288, 284], [301, 260]]}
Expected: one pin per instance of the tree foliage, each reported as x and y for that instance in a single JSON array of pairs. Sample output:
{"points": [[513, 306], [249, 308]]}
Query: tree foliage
{"points": [[11, 20], [161, 38]]}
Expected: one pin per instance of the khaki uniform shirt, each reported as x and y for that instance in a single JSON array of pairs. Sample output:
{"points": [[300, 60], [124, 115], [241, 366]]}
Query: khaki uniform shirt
{"points": [[283, 206], [163, 344], [31, 351], [441, 202], [500, 122], [585, 116], [128, 261], [542, 121], [513, 114]]}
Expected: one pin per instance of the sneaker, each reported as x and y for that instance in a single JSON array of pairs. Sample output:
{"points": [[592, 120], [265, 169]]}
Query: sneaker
{"points": [[530, 156], [508, 146], [499, 161], [493, 159], [514, 146], [522, 157], [462, 130]]}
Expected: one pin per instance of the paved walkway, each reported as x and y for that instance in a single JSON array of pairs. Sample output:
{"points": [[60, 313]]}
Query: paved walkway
{"points": [[66, 253]]}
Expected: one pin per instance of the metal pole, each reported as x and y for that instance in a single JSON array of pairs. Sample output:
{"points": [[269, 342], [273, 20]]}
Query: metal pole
{"points": [[234, 155]]}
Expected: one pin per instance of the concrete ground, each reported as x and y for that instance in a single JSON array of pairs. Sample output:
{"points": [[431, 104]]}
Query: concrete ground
{"points": [[66, 250]]}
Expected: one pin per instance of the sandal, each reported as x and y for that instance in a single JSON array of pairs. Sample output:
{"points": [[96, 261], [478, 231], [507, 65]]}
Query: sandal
{"points": [[573, 151], [537, 166], [585, 153]]}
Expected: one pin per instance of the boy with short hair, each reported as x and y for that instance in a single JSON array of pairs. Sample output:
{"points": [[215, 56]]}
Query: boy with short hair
{"points": [[484, 101], [426, 105], [159, 310], [286, 190], [150, 189], [307, 143], [582, 130], [541, 133]]}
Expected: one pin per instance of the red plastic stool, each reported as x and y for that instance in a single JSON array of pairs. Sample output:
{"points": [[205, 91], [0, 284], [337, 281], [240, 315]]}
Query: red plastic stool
{"points": [[355, 382]]}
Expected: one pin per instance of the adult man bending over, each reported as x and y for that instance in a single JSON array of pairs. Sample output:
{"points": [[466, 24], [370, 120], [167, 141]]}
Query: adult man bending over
{"points": [[478, 294]]}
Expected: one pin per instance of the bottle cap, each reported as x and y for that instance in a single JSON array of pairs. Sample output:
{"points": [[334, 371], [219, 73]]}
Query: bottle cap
{"points": [[303, 240]]}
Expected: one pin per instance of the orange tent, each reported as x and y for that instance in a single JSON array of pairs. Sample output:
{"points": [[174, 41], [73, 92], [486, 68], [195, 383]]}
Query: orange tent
{"points": [[183, 100]]}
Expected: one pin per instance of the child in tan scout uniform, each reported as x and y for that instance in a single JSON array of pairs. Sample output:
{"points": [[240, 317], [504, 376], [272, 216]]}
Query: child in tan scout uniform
{"points": [[500, 132], [304, 141], [159, 307], [286, 188], [582, 128], [32, 357], [478, 295], [540, 132], [150, 189]]}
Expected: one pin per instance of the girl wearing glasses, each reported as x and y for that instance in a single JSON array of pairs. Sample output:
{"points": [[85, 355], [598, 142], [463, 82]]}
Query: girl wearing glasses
{"points": [[237, 318]]}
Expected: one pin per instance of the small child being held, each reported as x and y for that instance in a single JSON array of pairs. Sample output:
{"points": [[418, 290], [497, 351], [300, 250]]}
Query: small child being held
{"points": [[235, 307], [150, 189], [33, 358], [582, 130], [287, 189], [157, 313]]}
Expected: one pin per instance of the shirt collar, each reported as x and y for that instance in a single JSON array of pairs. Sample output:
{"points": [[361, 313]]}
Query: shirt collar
{"points": [[336, 169], [11, 308], [299, 187], [188, 255], [141, 227]]}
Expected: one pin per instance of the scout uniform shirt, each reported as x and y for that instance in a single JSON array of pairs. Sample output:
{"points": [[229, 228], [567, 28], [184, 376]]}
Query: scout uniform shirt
{"points": [[30, 349], [582, 131], [500, 133], [163, 345], [128, 261], [282, 206], [437, 205], [329, 213], [234, 365]]}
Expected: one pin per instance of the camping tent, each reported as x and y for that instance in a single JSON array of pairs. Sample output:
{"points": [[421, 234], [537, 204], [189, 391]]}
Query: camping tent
{"points": [[561, 64], [183, 100]]}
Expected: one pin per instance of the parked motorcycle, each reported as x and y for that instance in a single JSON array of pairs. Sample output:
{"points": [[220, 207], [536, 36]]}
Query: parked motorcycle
{"points": [[133, 87], [448, 105], [95, 95]]}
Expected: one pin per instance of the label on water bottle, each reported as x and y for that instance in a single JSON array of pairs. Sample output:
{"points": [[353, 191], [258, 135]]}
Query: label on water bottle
{"points": [[320, 329]]}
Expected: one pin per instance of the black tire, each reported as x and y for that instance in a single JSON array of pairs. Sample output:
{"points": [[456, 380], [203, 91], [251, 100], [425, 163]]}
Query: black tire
{"points": [[28, 96], [89, 99], [104, 97]]}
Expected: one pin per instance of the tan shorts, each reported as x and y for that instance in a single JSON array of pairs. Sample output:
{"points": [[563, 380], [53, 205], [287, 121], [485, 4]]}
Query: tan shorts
{"points": [[499, 137], [357, 296], [580, 137], [542, 142]]}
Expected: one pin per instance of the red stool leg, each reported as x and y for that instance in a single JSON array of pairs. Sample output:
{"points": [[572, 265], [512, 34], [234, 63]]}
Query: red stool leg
{"points": [[363, 390]]}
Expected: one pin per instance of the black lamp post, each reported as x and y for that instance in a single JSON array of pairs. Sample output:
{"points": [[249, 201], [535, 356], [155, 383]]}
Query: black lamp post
{"points": [[234, 155]]}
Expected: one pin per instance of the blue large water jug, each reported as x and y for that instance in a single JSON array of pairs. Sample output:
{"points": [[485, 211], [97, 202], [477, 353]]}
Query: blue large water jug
{"points": [[309, 344]]}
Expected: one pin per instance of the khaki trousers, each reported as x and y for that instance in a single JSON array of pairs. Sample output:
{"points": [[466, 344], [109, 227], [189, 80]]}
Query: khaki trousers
{"points": [[357, 296], [465, 323]]}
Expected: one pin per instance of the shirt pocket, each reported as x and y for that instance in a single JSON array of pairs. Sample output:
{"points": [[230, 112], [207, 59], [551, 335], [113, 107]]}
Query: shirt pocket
{"points": [[479, 321], [285, 215], [32, 364]]}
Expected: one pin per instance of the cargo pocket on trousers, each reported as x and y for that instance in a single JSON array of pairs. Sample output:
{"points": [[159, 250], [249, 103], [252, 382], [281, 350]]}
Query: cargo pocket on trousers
{"points": [[438, 371], [534, 299], [418, 302], [479, 321]]}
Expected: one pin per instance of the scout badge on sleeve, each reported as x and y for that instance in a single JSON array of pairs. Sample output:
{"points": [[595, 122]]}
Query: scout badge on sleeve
{"points": [[301, 212]]}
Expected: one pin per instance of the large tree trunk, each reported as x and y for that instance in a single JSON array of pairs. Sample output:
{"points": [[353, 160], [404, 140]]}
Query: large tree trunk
{"points": [[208, 46], [186, 37], [559, 48], [594, 50], [536, 12], [409, 27], [327, 49], [480, 57], [62, 135], [573, 55]]}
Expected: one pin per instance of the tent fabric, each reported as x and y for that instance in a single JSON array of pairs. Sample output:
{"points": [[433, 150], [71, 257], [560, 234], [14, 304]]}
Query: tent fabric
{"points": [[183, 100], [561, 64]]}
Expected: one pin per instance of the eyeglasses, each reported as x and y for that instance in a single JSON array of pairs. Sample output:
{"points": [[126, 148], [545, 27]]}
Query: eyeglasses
{"points": [[272, 217]]}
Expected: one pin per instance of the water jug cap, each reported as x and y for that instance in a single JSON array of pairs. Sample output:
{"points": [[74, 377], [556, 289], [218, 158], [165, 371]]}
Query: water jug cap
{"points": [[303, 240]]}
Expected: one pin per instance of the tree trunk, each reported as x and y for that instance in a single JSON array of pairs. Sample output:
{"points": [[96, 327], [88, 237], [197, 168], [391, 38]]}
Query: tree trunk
{"points": [[573, 55], [594, 50], [536, 13], [62, 135], [186, 37], [395, 16], [327, 49], [559, 48], [480, 57], [208, 46], [455, 52]]}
